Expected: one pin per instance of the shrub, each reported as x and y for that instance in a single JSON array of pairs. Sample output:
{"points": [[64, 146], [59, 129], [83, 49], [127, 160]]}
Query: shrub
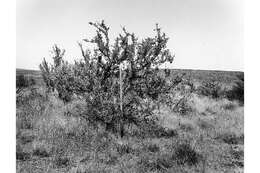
{"points": [[211, 88], [40, 152], [27, 139], [231, 138], [185, 154], [23, 82], [153, 148], [187, 127], [20, 154], [229, 106], [237, 91], [205, 125], [159, 162], [61, 162], [30, 105], [181, 102], [155, 130], [124, 149], [183, 107], [41, 149], [96, 77]]}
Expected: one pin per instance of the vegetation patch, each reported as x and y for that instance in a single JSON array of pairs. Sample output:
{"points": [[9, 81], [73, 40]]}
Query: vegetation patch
{"points": [[153, 147], [124, 149], [186, 127], [229, 106], [22, 155], [231, 138], [185, 154], [116, 110], [62, 162], [26, 139], [41, 152], [205, 125], [160, 162]]}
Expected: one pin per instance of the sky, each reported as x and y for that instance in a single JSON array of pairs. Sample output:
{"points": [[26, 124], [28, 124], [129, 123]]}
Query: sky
{"points": [[204, 34]]}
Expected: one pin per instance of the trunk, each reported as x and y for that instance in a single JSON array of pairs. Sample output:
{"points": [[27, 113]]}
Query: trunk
{"points": [[122, 132]]}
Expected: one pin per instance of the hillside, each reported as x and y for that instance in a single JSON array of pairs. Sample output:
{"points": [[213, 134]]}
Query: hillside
{"points": [[195, 75]]}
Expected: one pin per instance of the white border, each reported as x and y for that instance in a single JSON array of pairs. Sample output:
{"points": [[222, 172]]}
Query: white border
{"points": [[7, 111], [252, 86]]}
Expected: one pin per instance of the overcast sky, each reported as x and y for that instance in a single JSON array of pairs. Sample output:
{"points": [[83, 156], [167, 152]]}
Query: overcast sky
{"points": [[204, 34]]}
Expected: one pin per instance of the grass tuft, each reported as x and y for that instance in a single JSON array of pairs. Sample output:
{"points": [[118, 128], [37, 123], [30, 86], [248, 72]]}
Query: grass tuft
{"points": [[185, 154]]}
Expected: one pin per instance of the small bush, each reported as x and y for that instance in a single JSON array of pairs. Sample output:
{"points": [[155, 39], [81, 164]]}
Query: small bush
{"points": [[25, 120], [229, 106], [237, 91], [160, 132], [163, 162], [20, 154], [40, 152], [27, 139], [231, 138], [153, 148], [23, 156], [210, 88], [183, 107], [205, 125], [185, 154], [62, 162], [237, 154], [41, 149], [186, 127], [23, 82], [155, 162], [124, 149]]}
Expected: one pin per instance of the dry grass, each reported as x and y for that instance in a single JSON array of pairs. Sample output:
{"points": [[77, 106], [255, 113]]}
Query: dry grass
{"points": [[209, 139]]}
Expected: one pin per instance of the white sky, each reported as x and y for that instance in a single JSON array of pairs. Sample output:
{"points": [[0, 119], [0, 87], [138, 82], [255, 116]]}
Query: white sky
{"points": [[204, 34]]}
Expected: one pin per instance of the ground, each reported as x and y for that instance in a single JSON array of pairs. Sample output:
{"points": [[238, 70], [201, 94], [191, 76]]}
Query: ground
{"points": [[207, 137]]}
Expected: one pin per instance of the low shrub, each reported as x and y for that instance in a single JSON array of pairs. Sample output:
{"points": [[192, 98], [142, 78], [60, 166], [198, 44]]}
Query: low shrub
{"points": [[26, 139], [21, 155], [41, 149], [205, 125], [124, 149], [185, 154], [62, 162], [237, 91], [161, 132], [231, 138], [229, 106], [164, 162], [24, 82], [40, 152], [153, 148], [183, 107], [186, 127], [159, 162], [211, 89]]}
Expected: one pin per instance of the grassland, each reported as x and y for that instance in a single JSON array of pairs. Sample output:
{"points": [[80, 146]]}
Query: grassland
{"points": [[208, 137]]}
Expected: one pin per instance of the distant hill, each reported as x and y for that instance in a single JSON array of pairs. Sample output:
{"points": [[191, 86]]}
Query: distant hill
{"points": [[20, 71], [202, 75], [36, 74], [195, 75]]}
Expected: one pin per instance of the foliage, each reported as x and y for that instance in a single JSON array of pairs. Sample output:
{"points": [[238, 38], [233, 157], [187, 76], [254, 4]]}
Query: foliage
{"points": [[30, 103], [96, 77], [237, 91], [178, 99], [23, 82], [185, 154], [211, 88]]}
